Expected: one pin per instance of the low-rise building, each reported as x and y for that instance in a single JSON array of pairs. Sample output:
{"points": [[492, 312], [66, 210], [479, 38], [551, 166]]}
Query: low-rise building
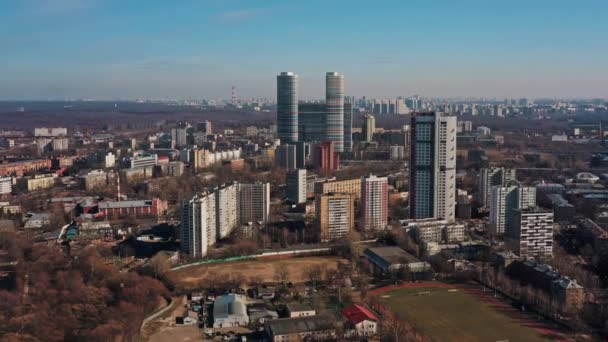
{"points": [[230, 311], [316, 328], [19, 168], [300, 310], [116, 209], [391, 258], [568, 292], [40, 182], [98, 179], [361, 320], [432, 230]]}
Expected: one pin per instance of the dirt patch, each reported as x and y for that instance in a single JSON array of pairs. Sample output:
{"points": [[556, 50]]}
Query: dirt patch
{"points": [[263, 269], [166, 321], [175, 333]]}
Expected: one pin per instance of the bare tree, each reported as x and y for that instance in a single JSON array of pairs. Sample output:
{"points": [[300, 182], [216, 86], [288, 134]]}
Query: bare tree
{"points": [[281, 273]]}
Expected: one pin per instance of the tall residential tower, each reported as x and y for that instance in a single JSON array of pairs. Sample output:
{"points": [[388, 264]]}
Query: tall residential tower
{"points": [[433, 166]]}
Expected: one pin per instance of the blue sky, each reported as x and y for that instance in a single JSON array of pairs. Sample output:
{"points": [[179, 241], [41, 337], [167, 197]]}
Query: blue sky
{"points": [[108, 49]]}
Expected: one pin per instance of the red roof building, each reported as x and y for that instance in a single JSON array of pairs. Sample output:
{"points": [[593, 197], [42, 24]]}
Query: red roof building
{"points": [[363, 321]]}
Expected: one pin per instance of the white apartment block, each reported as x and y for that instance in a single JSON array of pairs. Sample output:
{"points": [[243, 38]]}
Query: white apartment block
{"points": [[374, 202], [227, 210], [431, 230], [504, 200], [6, 185], [491, 177], [198, 224], [533, 232]]}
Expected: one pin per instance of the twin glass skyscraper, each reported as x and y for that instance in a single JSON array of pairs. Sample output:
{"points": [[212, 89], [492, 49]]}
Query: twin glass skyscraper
{"points": [[334, 104], [287, 107], [324, 123]]}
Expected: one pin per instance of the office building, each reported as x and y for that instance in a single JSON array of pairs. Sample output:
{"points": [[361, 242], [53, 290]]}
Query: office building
{"points": [[285, 156], [335, 215], [433, 166], [504, 200], [312, 122], [296, 186], [491, 177], [348, 127], [532, 232], [287, 107], [254, 202], [334, 102], [374, 202], [368, 128]]}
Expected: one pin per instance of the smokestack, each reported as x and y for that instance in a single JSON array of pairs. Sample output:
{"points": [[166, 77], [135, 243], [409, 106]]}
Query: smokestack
{"points": [[118, 188]]}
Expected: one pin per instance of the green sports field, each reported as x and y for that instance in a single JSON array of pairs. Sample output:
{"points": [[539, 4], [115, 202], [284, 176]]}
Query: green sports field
{"points": [[458, 315]]}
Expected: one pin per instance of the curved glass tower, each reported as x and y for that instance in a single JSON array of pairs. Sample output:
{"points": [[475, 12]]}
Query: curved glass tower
{"points": [[334, 101], [287, 107]]}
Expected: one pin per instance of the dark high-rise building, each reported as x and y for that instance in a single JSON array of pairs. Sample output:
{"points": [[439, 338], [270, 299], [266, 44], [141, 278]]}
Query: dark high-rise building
{"points": [[312, 122], [287, 107], [334, 101], [302, 152], [348, 126], [433, 166]]}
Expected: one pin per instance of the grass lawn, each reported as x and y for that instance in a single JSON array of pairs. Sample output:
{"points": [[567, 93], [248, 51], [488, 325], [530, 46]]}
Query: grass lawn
{"points": [[459, 315]]}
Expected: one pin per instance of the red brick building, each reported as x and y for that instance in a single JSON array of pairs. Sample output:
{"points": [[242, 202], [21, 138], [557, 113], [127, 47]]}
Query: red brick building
{"points": [[19, 168], [149, 208]]}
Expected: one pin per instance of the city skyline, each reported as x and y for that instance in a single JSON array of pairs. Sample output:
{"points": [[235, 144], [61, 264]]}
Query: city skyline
{"points": [[108, 49]]}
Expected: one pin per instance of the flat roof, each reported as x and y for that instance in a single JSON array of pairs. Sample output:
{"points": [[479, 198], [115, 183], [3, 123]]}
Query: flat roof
{"points": [[287, 326], [393, 254], [125, 204]]}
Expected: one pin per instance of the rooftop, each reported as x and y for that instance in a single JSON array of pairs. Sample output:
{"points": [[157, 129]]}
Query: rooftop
{"points": [[356, 314], [124, 204], [229, 305], [392, 254], [294, 307], [286, 326]]}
